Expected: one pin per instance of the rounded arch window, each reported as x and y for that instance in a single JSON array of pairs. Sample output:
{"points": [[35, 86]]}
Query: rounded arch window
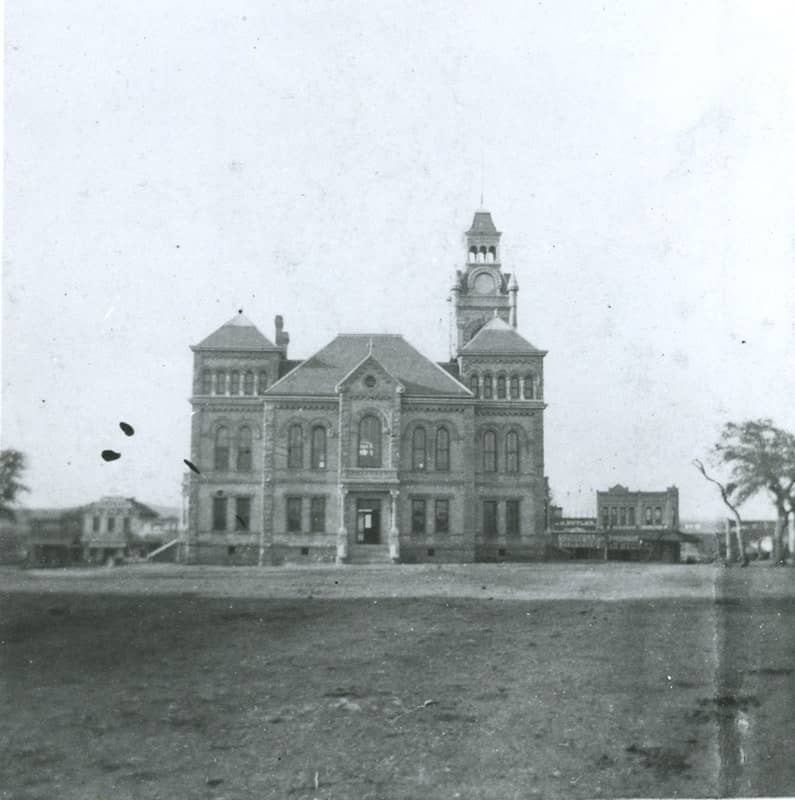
{"points": [[234, 382], [442, 449], [512, 452], [295, 447], [474, 384], [220, 382], [318, 447], [369, 444], [418, 449], [501, 387], [488, 387], [248, 383], [221, 456], [489, 451], [529, 392], [244, 443]]}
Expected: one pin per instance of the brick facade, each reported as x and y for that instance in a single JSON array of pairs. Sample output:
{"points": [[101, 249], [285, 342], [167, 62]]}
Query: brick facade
{"points": [[367, 449]]}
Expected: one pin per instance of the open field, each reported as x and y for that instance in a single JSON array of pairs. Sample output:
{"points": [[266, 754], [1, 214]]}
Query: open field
{"points": [[476, 681]]}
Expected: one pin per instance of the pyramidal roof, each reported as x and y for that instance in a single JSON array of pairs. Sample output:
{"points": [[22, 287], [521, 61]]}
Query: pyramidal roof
{"points": [[497, 337], [239, 333], [321, 373], [482, 224]]}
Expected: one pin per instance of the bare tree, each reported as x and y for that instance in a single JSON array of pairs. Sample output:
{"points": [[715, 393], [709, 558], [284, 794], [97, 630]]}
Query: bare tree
{"points": [[725, 493], [762, 459]]}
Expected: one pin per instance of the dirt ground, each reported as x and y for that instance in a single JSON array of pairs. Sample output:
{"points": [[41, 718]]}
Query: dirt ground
{"points": [[477, 681]]}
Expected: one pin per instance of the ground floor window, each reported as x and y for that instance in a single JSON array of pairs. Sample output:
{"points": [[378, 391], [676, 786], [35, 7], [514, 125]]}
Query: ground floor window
{"points": [[242, 513], [219, 513], [317, 515], [442, 516], [293, 515], [490, 517], [512, 517], [418, 516]]}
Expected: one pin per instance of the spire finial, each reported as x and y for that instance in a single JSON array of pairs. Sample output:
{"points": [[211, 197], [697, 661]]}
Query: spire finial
{"points": [[482, 174]]}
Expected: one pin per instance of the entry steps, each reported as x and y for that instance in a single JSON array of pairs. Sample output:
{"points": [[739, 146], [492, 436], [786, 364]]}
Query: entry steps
{"points": [[369, 554]]}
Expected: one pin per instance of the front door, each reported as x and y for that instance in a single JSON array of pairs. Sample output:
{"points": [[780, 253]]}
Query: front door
{"points": [[368, 521]]}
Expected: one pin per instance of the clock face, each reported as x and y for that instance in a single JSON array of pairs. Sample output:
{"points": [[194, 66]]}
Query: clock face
{"points": [[484, 283]]}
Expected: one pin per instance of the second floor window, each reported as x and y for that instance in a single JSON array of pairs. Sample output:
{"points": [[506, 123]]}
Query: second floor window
{"points": [[263, 382], [207, 381], [631, 516], [234, 382], [220, 382], [474, 384], [658, 515], [529, 393], [111, 524], [318, 447], [248, 383], [244, 442], [221, 460], [489, 451], [369, 445], [442, 450], [488, 387], [295, 447], [418, 449], [501, 387], [648, 515], [95, 524]]}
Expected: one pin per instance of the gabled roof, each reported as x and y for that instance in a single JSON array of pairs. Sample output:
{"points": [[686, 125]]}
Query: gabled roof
{"points": [[320, 374], [498, 337], [239, 333], [482, 224]]}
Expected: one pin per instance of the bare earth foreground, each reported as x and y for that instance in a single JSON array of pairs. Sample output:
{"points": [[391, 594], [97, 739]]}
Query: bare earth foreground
{"points": [[477, 681]]}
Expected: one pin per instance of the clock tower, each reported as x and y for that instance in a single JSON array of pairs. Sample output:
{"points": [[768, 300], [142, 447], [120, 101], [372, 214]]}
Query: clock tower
{"points": [[482, 291]]}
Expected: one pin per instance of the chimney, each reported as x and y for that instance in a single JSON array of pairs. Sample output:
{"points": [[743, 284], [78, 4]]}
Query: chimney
{"points": [[282, 337]]}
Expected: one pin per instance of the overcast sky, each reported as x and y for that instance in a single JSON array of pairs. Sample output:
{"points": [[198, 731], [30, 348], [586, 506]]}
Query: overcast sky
{"points": [[168, 162]]}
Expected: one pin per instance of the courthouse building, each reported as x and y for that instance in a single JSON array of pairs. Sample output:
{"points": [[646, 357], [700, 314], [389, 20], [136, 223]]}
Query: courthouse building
{"points": [[368, 450]]}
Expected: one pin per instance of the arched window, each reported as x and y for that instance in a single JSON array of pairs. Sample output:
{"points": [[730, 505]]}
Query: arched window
{"points": [[207, 381], [263, 382], [514, 384], [492, 253], [474, 384], [489, 451], [473, 254], [418, 449], [248, 383], [234, 382], [369, 449], [501, 387], [221, 460], [244, 449], [512, 452], [318, 447], [442, 449], [220, 382], [648, 515], [295, 447], [529, 393], [488, 387]]}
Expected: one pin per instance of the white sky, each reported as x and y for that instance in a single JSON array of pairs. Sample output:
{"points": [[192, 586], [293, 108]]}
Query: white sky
{"points": [[170, 162]]}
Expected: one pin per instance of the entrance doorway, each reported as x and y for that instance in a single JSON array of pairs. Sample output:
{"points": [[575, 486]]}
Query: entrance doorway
{"points": [[368, 521]]}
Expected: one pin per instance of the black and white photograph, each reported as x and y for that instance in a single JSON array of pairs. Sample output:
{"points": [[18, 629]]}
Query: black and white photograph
{"points": [[398, 400]]}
